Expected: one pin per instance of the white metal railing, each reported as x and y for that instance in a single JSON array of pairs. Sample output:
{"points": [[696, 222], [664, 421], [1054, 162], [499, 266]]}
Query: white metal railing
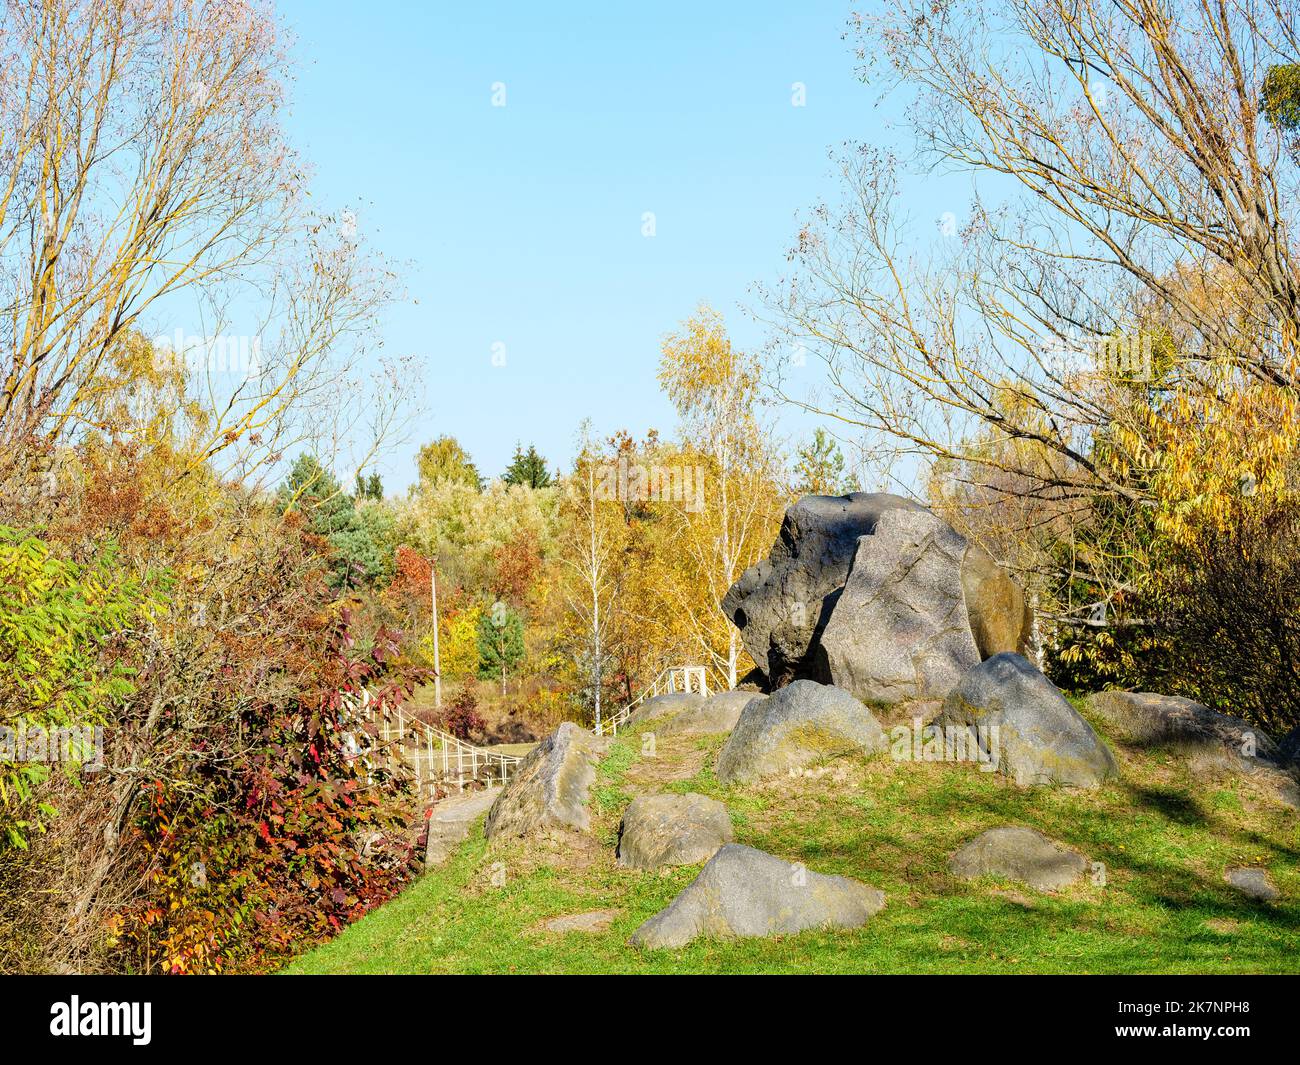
{"points": [[670, 679], [435, 755]]}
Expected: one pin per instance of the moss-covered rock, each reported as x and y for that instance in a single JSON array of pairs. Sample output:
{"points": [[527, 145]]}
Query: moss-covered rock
{"points": [[1021, 854], [659, 831], [801, 724], [716, 714], [1025, 725]]}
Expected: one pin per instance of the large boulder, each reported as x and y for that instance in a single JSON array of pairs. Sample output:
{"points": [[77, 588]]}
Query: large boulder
{"points": [[781, 604], [900, 630], [802, 723], [746, 892], [665, 830], [662, 707], [1021, 854], [1026, 726], [1288, 750], [1148, 718], [550, 787], [896, 631], [718, 713]]}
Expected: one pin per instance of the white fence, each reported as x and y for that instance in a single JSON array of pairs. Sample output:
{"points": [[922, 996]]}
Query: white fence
{"points": [[435, 755]]}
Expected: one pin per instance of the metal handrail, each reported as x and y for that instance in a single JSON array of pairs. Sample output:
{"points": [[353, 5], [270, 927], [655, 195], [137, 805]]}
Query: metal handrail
{"points": [[459, 759], [612, 723]]}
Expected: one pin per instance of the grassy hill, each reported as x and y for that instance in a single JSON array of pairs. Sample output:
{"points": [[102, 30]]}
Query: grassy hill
{"points": [[1165, 832]]}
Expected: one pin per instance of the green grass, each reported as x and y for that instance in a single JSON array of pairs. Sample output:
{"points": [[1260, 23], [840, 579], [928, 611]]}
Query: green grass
{"points": [[1164, 838]]}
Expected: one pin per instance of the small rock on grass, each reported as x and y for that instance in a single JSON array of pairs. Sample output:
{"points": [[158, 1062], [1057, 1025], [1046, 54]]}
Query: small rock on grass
{"points": [[662, 708], [800, 725], [715, 715], [1253, 883], [666, 830], [591, 921], [1020, 854]]}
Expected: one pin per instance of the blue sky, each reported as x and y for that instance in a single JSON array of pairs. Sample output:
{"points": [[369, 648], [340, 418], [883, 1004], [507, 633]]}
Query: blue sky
{"points": [[522, 225]]}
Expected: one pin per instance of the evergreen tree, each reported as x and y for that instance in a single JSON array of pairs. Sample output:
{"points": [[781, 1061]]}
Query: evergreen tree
{"points": [[500, 642], [369, 487], [360, 536], [528, 468], [819, 470]]}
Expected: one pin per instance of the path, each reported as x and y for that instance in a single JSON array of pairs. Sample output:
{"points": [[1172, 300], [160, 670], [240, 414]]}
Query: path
{"points": [[450, 822]]}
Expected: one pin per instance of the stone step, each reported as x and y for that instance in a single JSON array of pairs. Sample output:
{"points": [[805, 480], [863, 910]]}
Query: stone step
{"points": [[450, 822]]}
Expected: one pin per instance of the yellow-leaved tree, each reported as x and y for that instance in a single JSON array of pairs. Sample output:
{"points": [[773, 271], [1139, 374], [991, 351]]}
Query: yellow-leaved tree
{"points": [[731, 502]]}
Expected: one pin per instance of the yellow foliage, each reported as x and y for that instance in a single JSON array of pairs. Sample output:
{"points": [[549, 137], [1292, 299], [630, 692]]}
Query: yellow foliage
{"points": [[1222, 451], [457, 645]]}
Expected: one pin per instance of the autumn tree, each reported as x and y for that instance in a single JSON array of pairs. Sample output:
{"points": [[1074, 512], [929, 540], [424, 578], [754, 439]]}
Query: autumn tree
{"points": [[592, 539], [1140, 113], [1140, 261], [516, 567], [729, 517], [145, 184], [465, 529], [444, 459], [143, 171]]}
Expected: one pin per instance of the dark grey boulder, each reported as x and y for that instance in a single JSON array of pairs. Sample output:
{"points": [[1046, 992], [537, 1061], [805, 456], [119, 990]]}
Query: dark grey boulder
{"points": [[718, 713], [900, 630], [1253, 883], [894, 631], [550, 787], [783, 602], [1031, 733], [746, 892], [800, 724], [1148, 718], [1288, 749], [1021, 854], [666, 830]]}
